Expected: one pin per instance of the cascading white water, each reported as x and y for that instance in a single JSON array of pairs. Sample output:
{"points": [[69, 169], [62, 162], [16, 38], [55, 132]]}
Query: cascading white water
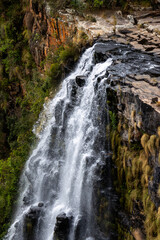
{"points": [[59, 175]]}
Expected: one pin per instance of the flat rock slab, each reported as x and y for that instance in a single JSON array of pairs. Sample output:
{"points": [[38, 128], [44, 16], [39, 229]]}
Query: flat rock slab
{"points": [[136, 45], [156, 51], [146, 78], [146, 93]]}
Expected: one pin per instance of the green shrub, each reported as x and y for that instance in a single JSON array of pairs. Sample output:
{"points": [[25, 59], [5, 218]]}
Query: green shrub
{"points": [[113, 120], [98, 3], [70, 51], [55, 70]]}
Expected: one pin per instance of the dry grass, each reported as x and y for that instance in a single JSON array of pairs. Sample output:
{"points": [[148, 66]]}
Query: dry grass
{"points": [[119, 126], [151, 144], [157, 143], [158, 191], [144, 140], [135, 194], [158, 104], [159, 158], [138, 234], [139, 124], [133, 113], [158, 131]]}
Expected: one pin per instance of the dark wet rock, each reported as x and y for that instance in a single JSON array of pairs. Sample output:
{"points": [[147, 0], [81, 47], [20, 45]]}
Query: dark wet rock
{"points": [[41, 204], [26, 200], [137, 93], [32, 222], [107, 74], [114, 82], [135, 220], [58, 112], [73, 92], [143, 41], [100, 57], [62, 227], [154, 100], [153, 187], [154, 71], [80, 80], [79, 232], [138, 83], [125, 220], [33, 213], [103, 51], [125, 31], [99, 79], [149, 48], [103, 48]]}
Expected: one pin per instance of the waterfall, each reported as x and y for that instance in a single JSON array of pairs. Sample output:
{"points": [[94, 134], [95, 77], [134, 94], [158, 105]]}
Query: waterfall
{"points": [[58, 179]]}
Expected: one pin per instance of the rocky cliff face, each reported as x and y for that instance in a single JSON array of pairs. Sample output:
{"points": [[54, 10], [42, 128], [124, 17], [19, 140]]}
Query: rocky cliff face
{"points": [[133, 99], [47, 33], [134, 104]]}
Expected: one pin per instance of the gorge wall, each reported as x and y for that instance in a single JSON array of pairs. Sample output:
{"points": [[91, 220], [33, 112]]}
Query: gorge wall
{"points": [[135, 119], [133, 95]]}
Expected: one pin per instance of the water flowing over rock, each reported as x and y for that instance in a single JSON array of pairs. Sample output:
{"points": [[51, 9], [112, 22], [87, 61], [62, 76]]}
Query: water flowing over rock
{"points": [[57, 185], [62, 227], [66, 188]]}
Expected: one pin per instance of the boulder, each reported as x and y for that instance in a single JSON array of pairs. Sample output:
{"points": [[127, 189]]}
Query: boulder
{"points": [[26, 200], [81, 80], [79, 231], [132, 19], [41, 204], [154, 100], [62, 227], [125, 31], [31, 222]]}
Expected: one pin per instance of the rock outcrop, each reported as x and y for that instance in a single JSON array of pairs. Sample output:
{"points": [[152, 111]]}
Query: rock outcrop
{"points": [[62, 227], [32, 221], [133, 99], [133, 96], [46, 33]]}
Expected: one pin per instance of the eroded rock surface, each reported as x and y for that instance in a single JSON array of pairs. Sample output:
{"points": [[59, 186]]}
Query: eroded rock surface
{"points": [[133, 95], [62, 227], [135, 78], [33, 221]]}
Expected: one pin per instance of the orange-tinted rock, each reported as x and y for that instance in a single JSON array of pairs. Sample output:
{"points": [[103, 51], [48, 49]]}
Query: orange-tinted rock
{"points": [[46, 32]]}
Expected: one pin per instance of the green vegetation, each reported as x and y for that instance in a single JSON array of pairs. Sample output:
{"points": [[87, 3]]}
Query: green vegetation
{"points": [[81, 6], [113, 120], [136, 156], [61, 60], [125, 5], [22, 93], [23, 88]]}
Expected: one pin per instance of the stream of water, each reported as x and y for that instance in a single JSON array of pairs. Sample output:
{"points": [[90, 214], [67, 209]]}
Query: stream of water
{"points": [[58, 178]]}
